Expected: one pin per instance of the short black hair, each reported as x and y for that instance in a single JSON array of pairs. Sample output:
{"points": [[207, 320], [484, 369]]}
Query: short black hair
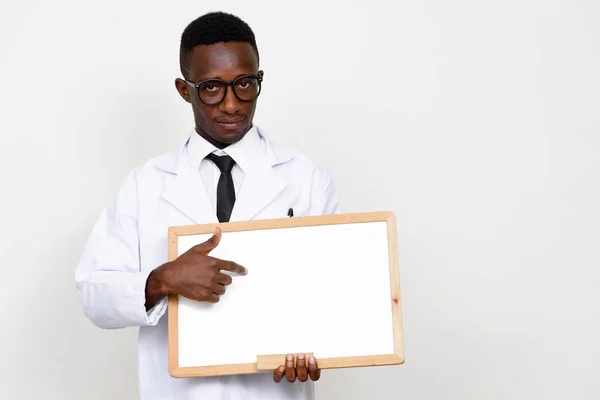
{"points": [[212, 28]]}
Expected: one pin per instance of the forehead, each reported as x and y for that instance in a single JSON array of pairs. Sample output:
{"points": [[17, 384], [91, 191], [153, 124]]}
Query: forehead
{"points": [[222, 60]]}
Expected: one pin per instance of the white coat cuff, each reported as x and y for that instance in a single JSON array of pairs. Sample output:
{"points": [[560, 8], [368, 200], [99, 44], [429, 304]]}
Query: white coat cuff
{"points": [[153, 315]]}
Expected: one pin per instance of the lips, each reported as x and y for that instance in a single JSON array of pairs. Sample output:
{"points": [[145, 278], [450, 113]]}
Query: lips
{"points": [[231, 123]]}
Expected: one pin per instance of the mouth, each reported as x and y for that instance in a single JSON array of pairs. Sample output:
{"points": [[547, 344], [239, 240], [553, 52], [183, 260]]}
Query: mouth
{"points": [[231, 124]]}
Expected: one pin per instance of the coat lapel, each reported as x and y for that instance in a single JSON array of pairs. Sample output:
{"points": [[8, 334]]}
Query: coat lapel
{"points": [[260, 187], [262, 184], [187, 192]]}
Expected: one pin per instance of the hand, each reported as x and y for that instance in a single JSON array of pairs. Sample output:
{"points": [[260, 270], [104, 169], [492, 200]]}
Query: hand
{"points": [[300, 371], [194, 274]]}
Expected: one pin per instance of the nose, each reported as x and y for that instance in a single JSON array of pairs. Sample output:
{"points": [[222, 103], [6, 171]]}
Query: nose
{"points": [[230, 103]]}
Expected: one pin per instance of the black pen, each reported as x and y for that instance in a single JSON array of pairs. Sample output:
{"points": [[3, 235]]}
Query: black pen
{"points": [[291, 212]]}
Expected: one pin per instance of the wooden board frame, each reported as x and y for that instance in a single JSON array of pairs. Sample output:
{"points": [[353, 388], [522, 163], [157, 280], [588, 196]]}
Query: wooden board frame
{"points": [[324, 363]]}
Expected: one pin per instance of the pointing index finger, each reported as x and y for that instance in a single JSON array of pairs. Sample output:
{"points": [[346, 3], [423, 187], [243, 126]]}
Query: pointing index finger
{"points": [[233, 267]]}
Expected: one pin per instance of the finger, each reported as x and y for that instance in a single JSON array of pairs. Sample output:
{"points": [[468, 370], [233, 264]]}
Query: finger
{"points": [[223, 279], [301, 368], [213, 298], [210, 244], [233, 267], [290, 371], [313, 369], [278, 373], [219, 289]]}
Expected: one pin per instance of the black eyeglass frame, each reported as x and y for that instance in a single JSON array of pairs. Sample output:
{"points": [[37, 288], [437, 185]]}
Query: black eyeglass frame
{"points": [[197, 85]]}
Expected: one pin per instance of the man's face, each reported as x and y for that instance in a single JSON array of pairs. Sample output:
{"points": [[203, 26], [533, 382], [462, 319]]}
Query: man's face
{"points": [[228, 121]]}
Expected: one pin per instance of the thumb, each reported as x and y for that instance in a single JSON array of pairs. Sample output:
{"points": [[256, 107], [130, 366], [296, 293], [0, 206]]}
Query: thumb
{"points": [[211, 243]]}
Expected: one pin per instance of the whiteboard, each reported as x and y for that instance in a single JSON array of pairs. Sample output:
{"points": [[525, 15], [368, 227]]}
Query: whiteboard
{"points": [[326, 285]]}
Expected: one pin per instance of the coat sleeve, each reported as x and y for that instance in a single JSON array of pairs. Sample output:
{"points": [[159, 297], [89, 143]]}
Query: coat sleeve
{"points": [[108, 278], [324, 198]]}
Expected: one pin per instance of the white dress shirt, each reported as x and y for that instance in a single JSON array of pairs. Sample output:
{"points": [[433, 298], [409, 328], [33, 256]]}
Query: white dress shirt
{"points": [[243, 153]]}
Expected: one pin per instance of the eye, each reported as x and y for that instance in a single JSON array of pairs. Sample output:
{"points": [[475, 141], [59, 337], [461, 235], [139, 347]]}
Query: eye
{"points": [[246, 84], [211, 87]]}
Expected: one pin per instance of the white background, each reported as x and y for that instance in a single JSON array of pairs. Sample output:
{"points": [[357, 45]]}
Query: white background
{"points": [[476, 122]]}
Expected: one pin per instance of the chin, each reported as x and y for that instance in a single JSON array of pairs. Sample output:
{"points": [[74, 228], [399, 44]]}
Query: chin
{"points": [[230, 136], [229, 139]]}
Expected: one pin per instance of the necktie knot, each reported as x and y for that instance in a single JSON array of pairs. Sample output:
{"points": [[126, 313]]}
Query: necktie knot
{"points": [[224, 163]]}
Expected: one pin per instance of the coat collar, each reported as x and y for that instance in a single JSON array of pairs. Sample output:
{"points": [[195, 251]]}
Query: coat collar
{"points": [[245, 152], [260, 187]]}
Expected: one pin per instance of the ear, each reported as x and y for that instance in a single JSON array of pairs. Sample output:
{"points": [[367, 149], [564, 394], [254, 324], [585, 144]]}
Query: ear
{"points": [[183, 89], [261, 73]]}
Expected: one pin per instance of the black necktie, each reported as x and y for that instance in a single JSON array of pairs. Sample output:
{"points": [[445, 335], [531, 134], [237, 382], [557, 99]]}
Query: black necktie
{"points": [[225, 188]]}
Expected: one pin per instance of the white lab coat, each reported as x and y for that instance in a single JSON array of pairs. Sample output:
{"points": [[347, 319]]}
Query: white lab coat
{"points": [[130, 240]]}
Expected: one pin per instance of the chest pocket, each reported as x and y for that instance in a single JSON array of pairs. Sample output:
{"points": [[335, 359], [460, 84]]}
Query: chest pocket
{"points": [[291, 198]]}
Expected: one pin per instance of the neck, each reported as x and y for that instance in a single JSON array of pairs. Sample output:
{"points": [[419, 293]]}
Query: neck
{"points": [[210, 139]]}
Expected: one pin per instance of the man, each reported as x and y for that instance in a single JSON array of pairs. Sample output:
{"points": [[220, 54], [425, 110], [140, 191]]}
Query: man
{"points": [[228, 169]]}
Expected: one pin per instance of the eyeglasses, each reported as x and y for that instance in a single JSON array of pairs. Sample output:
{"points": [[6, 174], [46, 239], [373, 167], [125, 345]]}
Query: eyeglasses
{"points": [[213, 91]]}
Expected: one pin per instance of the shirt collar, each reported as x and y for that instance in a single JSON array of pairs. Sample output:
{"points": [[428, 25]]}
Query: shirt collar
{"points": [[243, 152]]}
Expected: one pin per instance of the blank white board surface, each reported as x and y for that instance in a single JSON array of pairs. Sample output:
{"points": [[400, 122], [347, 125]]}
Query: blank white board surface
{"points": [[321, 285]]}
